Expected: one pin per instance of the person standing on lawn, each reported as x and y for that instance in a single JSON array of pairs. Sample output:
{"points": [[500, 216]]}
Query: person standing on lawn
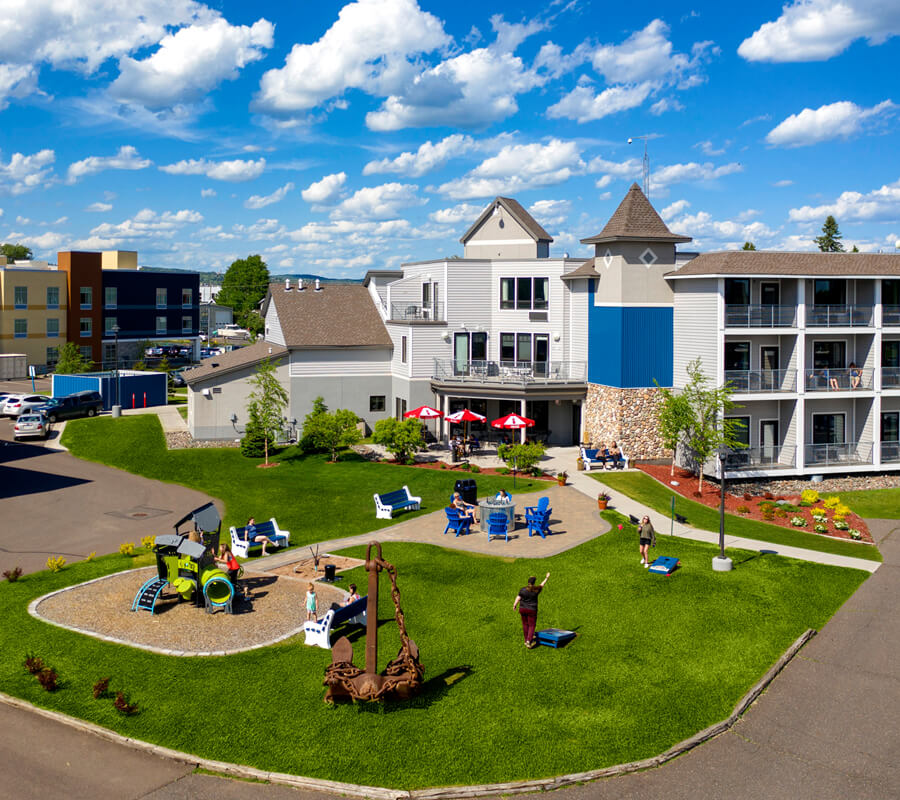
{"points": [[526, 603], [312, 604], [646, 538]]}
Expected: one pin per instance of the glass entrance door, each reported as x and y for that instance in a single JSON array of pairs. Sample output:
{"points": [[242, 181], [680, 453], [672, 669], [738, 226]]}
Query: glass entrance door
{"points": [[890, 436], [460, 353], [768, 441]]}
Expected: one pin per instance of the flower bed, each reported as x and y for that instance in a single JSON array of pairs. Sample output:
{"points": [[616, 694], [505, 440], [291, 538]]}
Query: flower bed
{"points": [[787, 511]]}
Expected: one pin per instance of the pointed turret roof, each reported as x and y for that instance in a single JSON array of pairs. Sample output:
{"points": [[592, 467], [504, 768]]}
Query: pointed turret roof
{"points": [[635, 220], [518, 213]]}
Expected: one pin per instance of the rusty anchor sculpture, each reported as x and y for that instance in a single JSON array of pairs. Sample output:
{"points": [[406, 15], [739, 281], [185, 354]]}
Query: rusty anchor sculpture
{"points": [[402, 678]]}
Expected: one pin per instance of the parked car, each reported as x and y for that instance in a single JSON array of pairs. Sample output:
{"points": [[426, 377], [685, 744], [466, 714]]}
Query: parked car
{"points": [[177, 378], [20, 403], [80, 404], [30, 426], [153, 352], [233, 331]]}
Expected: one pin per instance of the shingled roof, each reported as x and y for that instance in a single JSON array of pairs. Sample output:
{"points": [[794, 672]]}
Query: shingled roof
{"points": [[762, 262], [340, 315], [635, 220], [586, 270], [234, 360], [518, 213]]}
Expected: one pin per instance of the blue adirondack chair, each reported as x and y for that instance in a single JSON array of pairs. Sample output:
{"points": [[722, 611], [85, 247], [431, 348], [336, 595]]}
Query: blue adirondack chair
{"points": [[538, 518], [457, 522], [497, 525]]}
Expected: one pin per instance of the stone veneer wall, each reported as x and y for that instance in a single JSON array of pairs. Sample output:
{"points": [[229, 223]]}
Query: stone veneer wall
{"points": [[627, 416]]}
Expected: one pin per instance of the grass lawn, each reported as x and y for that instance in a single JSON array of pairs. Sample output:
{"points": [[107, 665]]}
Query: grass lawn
{"points": [[656, 659], [874, 503], [653, 494], [309, 497]]}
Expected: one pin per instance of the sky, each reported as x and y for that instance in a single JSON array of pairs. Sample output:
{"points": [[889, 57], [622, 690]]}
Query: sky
{"points": [[333, 138]]}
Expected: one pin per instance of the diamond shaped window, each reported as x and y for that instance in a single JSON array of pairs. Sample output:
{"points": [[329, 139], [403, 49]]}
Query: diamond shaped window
{"points": [[649, 258]]}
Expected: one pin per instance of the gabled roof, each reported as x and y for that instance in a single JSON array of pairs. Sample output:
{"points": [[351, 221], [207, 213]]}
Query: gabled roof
{"points": [[234, 360], [518, 213], [771, 262], [586, 270], [635, 220]]}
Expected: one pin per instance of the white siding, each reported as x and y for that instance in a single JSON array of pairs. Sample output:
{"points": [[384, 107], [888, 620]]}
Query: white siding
{"points": [[577, 333], [427, 345], [398, 368], [274, 333], [379, 295], [340, 362], [696, 327]]}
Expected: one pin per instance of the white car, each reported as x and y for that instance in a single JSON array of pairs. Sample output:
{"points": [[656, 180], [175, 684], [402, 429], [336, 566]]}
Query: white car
{"points": [[31, 426], [20, 403], [232, 331]]}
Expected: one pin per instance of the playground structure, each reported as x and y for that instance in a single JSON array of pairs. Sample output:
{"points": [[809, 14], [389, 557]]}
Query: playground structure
{"points": [[402, 677]]}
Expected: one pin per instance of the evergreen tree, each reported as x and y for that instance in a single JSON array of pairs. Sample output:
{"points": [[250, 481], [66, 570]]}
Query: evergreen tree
{"points": [[854, 249], [253, 443], [748, 246], [830, 240]]}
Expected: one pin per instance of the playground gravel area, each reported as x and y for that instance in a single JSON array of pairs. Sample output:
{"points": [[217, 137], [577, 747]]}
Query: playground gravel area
{"points": [[103, 608]]}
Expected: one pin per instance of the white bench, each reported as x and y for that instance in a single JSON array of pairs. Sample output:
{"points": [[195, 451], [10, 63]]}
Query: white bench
{"points": [[387, 504], [318, 633], [591, 458], [241, 543]]}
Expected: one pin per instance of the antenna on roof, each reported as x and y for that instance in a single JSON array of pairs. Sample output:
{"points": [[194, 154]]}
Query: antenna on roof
{"points": [[646, 162], [318, 288]]}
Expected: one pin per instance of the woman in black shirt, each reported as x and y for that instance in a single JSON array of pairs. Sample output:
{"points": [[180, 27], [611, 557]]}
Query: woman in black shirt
{"points": [[527, 604]]}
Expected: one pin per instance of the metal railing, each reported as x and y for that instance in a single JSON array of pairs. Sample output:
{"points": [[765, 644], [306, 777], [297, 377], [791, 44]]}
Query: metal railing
{"points": [[841, 453], [890, 315], [761, 380], [890, 377], [839, 380], [759, 316], [890, 452], [404, 311], [510, 372], [839, 316], [767, 457]]}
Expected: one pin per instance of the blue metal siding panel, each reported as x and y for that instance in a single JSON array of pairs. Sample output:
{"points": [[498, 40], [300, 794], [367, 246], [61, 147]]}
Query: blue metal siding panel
{"points": [[647, 347], [135, 386], [68, 384]]}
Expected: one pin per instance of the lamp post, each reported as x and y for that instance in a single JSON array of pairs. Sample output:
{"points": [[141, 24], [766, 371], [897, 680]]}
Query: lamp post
{"points": [[118, 403], [721, 563]]}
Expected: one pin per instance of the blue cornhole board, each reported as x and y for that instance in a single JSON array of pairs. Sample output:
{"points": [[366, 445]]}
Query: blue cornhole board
{"points": [[554, 637], [664, 565]]}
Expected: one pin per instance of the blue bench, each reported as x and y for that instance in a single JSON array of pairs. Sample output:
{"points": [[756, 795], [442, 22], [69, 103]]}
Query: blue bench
{"points": [[318, 633], [387, 504], [593, 458], [241, 544]]}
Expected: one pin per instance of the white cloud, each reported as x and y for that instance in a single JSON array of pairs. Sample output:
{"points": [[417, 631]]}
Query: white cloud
{"points": [[710, 149], [665, 104], [730, 234], [147, 224], [207, 193], [463, 212], [261, 201], [47, 242], [379, 202], [326, 191], [23, 173], [286, 262], [427, 158], [98, 206], [646, 55], [630, 169], [833, 121], [674, 209], [234, 171], [126, 158], [782, 183], [191, 62], [881, 205], [583, 105], [368, 47], [16, 81], [691, 172], [550, 212], [816, 30]]}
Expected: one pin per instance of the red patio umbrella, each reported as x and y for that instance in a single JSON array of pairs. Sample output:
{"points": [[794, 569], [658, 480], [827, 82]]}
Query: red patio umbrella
{"points": [[465, 416], [425, 412], [513, 422]]}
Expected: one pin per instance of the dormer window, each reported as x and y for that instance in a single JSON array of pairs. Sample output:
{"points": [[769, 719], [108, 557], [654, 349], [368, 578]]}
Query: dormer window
{"points": [[649, 258]]}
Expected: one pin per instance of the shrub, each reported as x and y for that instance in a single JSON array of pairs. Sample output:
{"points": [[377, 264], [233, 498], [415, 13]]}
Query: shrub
{"points": [[400, 438], [48, 678], [798, 522], [743, 509], [767, 504], [768, 514], [841, 525], [91, 556], [34, 664], [855, 534], [12, 575], [253, 443], [123, 706], [524, 456], [476, 469], [809, 496], [831, 502], [101, 688], [443, 465], [780, 513], [840, 510], [147, 542], [55, 563], [820, 528], [126, 548]]}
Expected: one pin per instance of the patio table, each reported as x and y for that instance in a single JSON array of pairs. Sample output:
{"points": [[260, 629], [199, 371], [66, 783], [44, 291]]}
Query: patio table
{"points": [[490, 506]]}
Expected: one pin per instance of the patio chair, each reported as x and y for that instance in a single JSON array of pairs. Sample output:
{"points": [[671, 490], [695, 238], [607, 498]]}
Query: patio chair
{"points": [[538, 518], [497, 525], [457, 522]]}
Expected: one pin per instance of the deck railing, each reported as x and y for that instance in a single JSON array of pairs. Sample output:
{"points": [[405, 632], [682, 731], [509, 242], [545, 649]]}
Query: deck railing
{"points": [[761, 380], [890, 377], [837, 380], [852, 316], [768, 457], [415, 311], [510, 372], [760, 316], [839, 454]]}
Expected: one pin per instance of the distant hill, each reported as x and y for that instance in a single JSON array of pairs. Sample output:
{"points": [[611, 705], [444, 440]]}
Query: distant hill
{"points": [[215, 278]]}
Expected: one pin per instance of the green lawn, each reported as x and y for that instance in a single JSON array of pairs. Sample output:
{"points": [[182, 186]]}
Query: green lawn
{"points": [[874, 503], [309, 497], [646, 490], [656, 659]]}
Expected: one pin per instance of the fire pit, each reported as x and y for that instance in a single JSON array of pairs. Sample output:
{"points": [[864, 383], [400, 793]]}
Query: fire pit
{"points": [[491, 505]]}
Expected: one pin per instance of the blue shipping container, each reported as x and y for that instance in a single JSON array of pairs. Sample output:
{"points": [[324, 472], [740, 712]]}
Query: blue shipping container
{"points": [[136, 389]]}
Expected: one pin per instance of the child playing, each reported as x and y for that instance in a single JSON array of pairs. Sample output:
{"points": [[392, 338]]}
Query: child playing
{"points": [[312, 604]]}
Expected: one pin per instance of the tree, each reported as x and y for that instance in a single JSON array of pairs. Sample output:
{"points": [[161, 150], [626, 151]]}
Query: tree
{"points": [[267, 402], [673, 419], [245, 283], [854, 249], [71, 362], [748, 246], [401, 437], [16, 252], [331, 432], [523, 456], [830, 240], [253, 442]]}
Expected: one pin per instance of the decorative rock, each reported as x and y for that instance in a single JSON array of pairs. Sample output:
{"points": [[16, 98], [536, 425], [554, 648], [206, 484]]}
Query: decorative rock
{"points": [[626, 416]]}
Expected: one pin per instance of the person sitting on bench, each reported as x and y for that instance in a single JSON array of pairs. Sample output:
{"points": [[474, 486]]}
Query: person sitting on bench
{"points": [[465, 509], [252, 535], [615, 455], [352, 597], [603, 454]]}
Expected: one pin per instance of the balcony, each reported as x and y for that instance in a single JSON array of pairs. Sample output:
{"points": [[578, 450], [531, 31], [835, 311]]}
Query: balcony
{"points": [[401, 312], [841, 454], [839, 316], [890, 452], [746, 381], [519, 373], [890, 316], [760, 316], [762, 458], [839, 380], [890, 377]]}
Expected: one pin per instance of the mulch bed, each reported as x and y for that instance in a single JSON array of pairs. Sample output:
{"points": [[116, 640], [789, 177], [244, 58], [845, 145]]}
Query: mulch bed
{"points": [[481, 470], [688, 486]]}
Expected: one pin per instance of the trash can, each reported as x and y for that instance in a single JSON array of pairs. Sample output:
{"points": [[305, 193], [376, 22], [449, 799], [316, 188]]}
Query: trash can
{"points": [[329, 572], [468, 490]]}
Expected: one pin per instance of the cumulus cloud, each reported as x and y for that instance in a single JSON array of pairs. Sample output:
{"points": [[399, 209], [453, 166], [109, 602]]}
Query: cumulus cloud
{"points": [[834, 121], [147, 224], [98, 206], [23, 173], [326, 191], [710, 149], [379, 202], [550, 212], [427, 158], [16, 81], [463, 212], [661, 177], [583, 105], [879, 205], [207, 193], [674, 209], [233, 171], [728, 233], [261, 201], [126, 158], [630, 169], [665, 104], [816, 30]]}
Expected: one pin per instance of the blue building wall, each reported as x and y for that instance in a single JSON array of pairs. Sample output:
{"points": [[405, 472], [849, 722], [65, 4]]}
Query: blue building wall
{"points": [[136, 310], [629, 347], [133, 388]]}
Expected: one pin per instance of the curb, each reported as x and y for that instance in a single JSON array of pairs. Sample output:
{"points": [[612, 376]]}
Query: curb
{"points": [[437, 793]]}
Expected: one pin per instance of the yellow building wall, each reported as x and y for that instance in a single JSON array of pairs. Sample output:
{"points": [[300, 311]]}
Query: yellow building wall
{"points": [[34, 345]]}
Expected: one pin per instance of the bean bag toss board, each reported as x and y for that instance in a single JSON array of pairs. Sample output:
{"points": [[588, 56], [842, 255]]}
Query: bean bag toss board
{"points": [[664, 565], [554, 637]]}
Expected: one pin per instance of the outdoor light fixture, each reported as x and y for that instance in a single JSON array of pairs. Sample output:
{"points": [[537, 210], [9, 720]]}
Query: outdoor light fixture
{"points": [[556, 336], [233, 418]]}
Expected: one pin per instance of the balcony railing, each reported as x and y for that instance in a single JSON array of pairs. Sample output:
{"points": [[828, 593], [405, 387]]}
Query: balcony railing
{"points": [[758, 316], [769, 457], [840, 454], [510, 372], [761, 380], [890, 377], [890, 315], [839, 316], [839, 380], [890, 452], [413, 311]]}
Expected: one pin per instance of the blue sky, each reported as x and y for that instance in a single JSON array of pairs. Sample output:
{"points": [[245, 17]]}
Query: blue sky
{"points": [[337, 138]]}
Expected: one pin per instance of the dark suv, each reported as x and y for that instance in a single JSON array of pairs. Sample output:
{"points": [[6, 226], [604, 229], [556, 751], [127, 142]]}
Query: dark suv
{"points": [[80, 404]]}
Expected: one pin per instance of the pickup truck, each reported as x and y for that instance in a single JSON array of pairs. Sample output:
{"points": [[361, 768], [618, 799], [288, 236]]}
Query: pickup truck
{"points": [[80, 404]]}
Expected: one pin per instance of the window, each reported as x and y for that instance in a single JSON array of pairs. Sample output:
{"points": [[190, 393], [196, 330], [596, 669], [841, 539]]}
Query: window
{"points": [[507, 347], [109, 353], [111, 297], [108, 324], [21, 328], [828, 428], [187, 325], [403, 352], [890, 292], [890, 426], [524, 347], [87, 352], [161, 298], [890, 353], [737, 356], [52, 355], [541, 293], [376, 402], [85, 327], [507, 292], [52, 327], [829, 355], [52, 297], [399, 407], [830, 292], [86, 297], [479, 347], [161, 326], [737, 291], [187, 298], [524, 293], [769, 294], [21, 297]]}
